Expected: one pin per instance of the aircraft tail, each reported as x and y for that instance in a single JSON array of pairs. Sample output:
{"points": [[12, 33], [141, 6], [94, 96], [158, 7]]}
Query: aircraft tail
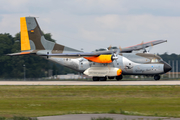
{"points": [[32, 37]]}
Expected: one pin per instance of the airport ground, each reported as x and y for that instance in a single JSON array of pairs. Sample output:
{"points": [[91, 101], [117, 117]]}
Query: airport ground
{"points": [[43, 100], [93, 83]]}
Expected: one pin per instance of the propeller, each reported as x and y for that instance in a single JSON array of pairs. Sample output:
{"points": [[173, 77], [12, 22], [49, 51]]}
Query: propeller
{"points": [[150, 48], [115, 55], [109, 66], [145, 51], [109, 48]]}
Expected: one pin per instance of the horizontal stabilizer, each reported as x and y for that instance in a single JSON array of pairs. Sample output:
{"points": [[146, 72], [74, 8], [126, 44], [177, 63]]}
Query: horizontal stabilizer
{"points": [[21, 53]]}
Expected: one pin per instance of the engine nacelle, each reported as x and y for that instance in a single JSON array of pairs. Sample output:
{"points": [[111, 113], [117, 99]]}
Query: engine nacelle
{"points": [[100, 59], [103, 71]]}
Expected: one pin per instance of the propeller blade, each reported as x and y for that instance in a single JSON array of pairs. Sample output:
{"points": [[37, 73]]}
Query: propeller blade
{"points": [[120, 48], [151, 44], [109, 48], [150, 48], [118, 51], [108, 66], [115, 54], [143, 47]]}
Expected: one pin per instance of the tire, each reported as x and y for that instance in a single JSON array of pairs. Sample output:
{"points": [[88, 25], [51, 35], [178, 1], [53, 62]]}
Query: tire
{"points": [[95, 78], [157, 77], [102, 79], [119, 77], [110, 77]]}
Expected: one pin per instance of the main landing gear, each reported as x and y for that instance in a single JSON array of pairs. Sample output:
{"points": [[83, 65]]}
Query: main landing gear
{"points": [[120, 77], [105, 78], [157, 77], [99, 78]]}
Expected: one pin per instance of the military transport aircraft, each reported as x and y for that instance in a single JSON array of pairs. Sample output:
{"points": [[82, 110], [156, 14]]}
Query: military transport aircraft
{"points": [[111, 63]]}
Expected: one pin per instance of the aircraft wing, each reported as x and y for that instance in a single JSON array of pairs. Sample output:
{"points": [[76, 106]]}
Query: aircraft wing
{"points": [[141, 46], [64, 55], [123, 50], [95, 54], [79, 54]]}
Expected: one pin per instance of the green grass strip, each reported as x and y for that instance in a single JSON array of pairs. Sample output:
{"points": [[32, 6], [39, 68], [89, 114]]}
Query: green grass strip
{"points": [[34, 101]]}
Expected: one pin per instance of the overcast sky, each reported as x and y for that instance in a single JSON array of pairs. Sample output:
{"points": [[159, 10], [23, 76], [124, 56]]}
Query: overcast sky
{"points": [[91, 24]]}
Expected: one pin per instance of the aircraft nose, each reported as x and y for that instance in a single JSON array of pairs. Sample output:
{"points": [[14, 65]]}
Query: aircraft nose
{"points": [[167, 67]]}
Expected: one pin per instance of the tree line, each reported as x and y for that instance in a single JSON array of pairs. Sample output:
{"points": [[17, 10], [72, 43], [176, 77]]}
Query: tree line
{"points": [[36, 67]]}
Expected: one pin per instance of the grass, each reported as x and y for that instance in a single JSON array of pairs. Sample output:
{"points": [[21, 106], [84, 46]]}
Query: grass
{"points": [[18, 118], [36, 101]]}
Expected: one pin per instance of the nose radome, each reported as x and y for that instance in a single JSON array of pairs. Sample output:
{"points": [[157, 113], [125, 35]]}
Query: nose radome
{"points": [[167, 67]]}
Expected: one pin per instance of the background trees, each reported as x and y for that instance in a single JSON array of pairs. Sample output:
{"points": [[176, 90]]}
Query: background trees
{"points": [[36, 67]]}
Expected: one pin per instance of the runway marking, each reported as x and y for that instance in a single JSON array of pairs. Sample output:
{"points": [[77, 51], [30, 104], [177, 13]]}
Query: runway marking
{"points": [[90, 82]]}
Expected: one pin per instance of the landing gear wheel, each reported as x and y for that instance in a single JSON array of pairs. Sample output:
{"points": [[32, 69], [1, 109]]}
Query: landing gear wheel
{"points": [[119, 77], [102, 79], [157, 77], [110, 77], [95, 78]]}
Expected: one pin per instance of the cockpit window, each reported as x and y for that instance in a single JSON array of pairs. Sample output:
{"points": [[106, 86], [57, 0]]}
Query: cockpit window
{"points": [[154, 60]]}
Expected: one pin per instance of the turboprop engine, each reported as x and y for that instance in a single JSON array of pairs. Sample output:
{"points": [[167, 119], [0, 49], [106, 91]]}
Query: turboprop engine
{"points": [[101, 58], [103, 71], [104, 58]]}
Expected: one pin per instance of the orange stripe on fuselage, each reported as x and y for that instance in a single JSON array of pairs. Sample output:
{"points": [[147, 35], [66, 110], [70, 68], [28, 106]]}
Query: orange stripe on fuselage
{"points": [[100, 59]]}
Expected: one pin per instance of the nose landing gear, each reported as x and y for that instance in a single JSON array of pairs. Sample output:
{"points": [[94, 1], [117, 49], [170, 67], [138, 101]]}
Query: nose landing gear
{"points": [[157, 77]]}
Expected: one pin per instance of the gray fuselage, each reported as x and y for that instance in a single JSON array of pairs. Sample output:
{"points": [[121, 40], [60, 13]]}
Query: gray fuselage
{"points": [[129, 63]]}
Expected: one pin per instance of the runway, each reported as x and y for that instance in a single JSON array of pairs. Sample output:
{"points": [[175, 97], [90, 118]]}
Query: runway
{"points": [[123, 83], [114, 116]]}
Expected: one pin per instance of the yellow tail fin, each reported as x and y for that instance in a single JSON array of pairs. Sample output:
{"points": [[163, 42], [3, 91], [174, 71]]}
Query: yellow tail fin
{"points": [[25, 45]]}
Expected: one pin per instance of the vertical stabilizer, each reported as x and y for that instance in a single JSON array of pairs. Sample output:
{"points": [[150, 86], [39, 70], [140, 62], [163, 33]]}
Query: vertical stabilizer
{"points": [[32, 38], [25, 45]]}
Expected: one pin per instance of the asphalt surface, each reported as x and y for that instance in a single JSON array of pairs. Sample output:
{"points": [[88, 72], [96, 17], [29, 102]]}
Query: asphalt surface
{"points": [[115, 116], [162, 82]]}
